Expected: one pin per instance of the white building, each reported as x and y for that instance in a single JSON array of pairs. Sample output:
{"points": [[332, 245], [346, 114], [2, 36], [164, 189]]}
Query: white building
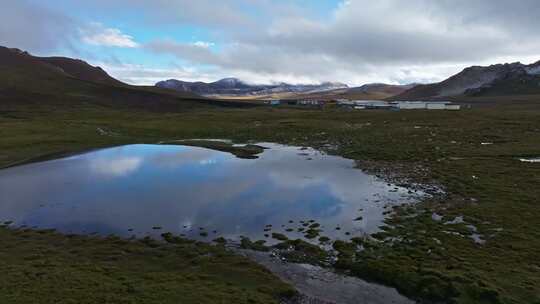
{"points": [[436, 105], [410, 105], [423, 105], [400, 105], [453, 107], [310, 102]]}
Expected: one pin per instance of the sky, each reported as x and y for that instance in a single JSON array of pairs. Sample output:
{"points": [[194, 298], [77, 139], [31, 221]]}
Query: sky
{"points": [[267, 41]]}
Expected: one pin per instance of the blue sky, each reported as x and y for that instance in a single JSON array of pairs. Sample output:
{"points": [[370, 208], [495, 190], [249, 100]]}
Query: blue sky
{"points": [[264, 41]]}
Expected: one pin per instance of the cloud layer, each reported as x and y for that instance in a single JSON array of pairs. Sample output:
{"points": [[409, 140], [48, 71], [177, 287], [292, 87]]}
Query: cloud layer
{"points": [[388, 40], [358, 41], [34, 27]]}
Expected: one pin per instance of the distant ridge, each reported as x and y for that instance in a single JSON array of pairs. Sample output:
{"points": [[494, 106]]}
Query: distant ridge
{"points": [[476, 81], [234, 86], [372, 91]]}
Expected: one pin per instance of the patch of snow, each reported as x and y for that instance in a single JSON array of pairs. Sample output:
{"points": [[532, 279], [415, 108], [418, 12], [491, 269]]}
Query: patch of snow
{"points": [[530, 160], [477, 238], [101, 131], [472, 228], [534, 70], [457, 220]]}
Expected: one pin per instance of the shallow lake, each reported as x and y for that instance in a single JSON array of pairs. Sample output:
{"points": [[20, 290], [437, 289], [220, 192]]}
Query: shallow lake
{"points": [[150, 189]]}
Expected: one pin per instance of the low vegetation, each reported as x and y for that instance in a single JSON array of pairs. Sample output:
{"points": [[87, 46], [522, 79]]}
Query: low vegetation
{"points": [[473, 154], [54, 268], [241, 151]]}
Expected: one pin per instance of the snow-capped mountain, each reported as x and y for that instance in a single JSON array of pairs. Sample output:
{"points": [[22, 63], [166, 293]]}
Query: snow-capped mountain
{"points": [[234, 86]]}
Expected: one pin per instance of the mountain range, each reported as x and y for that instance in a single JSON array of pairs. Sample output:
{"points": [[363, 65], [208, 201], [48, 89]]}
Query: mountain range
{"points": [[62, 81], [236, 87], [476, 81]]}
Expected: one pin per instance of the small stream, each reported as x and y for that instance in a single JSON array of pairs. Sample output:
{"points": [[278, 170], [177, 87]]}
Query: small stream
{"points": [[321, 285]]}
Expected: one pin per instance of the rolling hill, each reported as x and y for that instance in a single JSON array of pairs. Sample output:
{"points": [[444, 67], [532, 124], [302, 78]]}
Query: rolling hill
{"points": [[66, 82], [81, 70], [373, 91], [478, 81]]}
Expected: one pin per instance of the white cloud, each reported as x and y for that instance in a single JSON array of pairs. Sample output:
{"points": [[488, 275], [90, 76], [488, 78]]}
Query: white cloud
{"points": [[116, 167], [203, 44], [137, 74], [97, 34]]}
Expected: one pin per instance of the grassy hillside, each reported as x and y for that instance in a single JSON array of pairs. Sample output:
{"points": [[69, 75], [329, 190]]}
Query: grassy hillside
{"points": [[81, 70], [64, 82]]}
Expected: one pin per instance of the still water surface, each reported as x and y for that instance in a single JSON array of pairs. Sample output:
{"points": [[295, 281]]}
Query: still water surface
{"points": [[150, 189]]}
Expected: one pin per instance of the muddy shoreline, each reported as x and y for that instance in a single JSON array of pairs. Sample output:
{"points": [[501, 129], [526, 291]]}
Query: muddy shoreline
{"points": [[318, 285]]}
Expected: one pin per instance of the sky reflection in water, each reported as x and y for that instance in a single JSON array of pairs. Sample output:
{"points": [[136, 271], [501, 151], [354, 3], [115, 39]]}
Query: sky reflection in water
{"points": [[129, 190]]}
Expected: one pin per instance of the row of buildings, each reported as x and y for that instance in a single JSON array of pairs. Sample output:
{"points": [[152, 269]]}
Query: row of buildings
{"points": [[299, 102], [372, 104], [399, 105]]}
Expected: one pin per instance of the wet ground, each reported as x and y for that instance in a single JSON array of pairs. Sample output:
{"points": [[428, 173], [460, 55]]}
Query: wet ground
{"points": [[322, 285]]}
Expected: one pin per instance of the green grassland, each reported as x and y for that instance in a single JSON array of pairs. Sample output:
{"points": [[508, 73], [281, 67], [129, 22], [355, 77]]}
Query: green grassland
{"points": [[46, 267], [486, 184]]}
